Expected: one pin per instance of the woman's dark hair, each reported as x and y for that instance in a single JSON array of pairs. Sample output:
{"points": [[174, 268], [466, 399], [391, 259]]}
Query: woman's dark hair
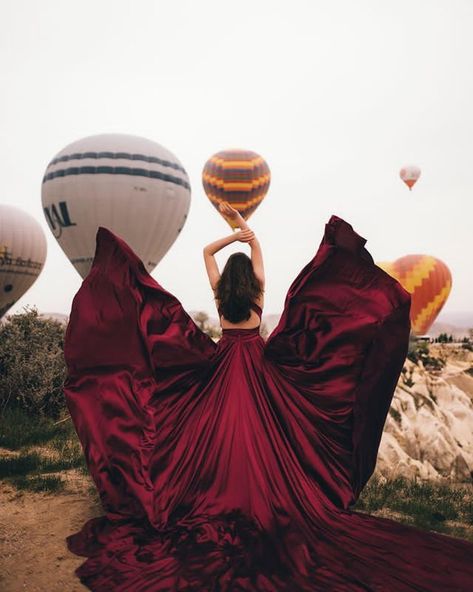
{"points": [[237, 288]]}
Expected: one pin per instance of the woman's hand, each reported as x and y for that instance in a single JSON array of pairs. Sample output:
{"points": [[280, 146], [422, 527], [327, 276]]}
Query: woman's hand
{"points": [[245, 236], [234, 215]]}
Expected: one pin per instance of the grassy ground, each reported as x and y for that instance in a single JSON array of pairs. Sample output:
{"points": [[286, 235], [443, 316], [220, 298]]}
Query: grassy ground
{"points": [[444, 508], [35, 455], [39, 456]]}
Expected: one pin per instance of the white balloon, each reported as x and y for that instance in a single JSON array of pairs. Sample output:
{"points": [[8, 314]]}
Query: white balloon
{"points": [[410, 174], [131, 185], [23, 251]]}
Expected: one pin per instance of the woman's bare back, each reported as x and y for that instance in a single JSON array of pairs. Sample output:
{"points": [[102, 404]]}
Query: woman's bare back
{"points": [[251, 323]]}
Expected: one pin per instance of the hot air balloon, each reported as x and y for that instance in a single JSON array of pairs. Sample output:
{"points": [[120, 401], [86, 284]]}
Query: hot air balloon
{"points": [[240, 177], [410, 175], [131, 185], [387, 266], [429, 282], [23, 251]]}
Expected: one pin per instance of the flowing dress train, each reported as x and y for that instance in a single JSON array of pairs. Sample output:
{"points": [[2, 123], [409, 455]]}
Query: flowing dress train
{"points": [[232, 466]]}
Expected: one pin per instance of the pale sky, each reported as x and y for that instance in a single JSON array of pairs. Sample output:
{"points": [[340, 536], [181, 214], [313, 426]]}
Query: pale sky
{"points": [[336, 96]]}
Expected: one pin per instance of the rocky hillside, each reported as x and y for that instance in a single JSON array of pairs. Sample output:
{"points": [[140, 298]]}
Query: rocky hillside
{"points": [[429, 429]]}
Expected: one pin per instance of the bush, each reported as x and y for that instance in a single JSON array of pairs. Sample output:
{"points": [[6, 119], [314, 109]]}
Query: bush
{"points": [[32, 365], [419, 352], [202, 320], [444, 338]]}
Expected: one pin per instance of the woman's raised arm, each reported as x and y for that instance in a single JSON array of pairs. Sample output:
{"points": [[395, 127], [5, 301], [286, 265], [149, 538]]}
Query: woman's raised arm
{"points": [[257, 261], [210, 263], [256, 252]]}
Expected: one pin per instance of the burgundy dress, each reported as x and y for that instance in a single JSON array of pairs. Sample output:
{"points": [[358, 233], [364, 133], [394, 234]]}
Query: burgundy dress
{"points": [[232, 466]]}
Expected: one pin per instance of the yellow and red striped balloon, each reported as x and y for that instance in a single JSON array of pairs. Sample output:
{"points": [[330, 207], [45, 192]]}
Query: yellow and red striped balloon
{"points": [[388, 267], [429, 282], [241, 177]]}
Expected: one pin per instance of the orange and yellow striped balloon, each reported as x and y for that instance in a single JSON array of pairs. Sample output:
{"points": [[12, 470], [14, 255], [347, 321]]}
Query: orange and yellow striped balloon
{"points": [[240, 177], [388, 267], [429, 282]]}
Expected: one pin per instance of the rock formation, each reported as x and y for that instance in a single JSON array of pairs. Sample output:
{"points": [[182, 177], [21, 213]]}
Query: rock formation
{"points": [[429, 429]]}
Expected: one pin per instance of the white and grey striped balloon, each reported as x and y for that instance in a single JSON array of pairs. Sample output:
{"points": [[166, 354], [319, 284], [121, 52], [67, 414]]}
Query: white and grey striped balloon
{"points": [[23, 251], [131, 185]]}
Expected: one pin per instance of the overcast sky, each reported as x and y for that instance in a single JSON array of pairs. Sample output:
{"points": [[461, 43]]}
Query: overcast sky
{"points": [[336, 96]]}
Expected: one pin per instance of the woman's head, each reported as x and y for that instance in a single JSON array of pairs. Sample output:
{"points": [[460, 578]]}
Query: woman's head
{"points": [[237, 288]]}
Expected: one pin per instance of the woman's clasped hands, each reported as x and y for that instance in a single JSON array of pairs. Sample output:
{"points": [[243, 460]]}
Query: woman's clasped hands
{"points": [[245, 235]]}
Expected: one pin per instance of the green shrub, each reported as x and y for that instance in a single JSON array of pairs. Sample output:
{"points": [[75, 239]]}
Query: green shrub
{"points": [[32, 366], [202, 320], [419, 352]]}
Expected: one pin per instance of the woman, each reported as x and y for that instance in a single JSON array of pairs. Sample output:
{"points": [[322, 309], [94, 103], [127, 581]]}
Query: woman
{"points": [[233, 466], [239, 291]]}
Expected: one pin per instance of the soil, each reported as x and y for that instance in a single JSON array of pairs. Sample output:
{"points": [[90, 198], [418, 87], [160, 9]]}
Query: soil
{"points": [[33, 528]]}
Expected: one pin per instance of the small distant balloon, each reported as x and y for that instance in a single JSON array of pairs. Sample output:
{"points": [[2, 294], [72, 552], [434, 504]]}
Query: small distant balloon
{"points": [[428, 280], [131, 185], [23, 251], [410, 175], [241, 177]]}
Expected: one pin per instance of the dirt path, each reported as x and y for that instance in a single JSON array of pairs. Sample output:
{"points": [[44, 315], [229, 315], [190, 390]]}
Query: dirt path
{"points": [[33, 528]]}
